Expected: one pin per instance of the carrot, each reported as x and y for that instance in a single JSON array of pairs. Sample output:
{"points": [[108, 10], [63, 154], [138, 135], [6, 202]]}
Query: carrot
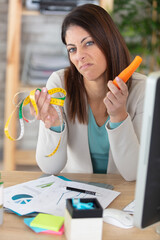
{"points": [[128, 71]]}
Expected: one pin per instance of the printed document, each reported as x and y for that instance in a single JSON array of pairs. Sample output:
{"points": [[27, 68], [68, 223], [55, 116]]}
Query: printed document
{"points": [[49, 194]]}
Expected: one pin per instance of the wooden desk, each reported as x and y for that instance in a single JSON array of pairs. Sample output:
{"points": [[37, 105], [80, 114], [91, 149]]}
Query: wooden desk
{"points": [[14, 228]]}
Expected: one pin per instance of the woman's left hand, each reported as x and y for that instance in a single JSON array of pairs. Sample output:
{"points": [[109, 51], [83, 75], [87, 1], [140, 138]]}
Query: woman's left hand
{"points": [[115, 101]]}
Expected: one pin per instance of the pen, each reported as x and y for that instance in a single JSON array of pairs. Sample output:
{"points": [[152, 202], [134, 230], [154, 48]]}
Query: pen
{"points": [[83, 191]]}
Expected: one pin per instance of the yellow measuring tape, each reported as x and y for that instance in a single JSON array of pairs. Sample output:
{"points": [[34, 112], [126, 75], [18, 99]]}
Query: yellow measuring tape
{"points": [[56, 102]]}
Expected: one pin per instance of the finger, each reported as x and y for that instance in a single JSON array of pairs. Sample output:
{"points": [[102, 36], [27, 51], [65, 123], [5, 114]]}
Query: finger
{"points": [[107, 102], [109, 105], [115, 90], [119, 94], [42, 97], [111, 97], [122, 85], [37, 94], [45, 106]]}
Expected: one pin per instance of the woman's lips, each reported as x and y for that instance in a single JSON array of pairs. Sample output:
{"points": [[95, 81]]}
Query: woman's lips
{"points": [[85, 66]]}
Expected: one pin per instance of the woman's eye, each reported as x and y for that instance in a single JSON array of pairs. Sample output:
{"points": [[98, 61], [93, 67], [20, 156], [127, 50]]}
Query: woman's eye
{"points": [[71, 50], [90, 43]]}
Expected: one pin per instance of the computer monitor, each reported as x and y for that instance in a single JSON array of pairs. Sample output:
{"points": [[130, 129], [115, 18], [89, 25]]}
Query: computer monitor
{"points": [[147, 194]]}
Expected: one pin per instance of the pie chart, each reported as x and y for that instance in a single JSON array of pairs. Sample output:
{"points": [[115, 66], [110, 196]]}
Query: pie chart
{"points": [[22, 198]]}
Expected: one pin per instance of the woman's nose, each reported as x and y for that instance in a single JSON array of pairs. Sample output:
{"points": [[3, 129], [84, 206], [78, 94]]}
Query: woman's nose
{"points": [[80, 55]]}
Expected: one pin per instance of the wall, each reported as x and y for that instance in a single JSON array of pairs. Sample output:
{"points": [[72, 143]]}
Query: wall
{"points": [[37, 31], [39, 34], [3, 39]]}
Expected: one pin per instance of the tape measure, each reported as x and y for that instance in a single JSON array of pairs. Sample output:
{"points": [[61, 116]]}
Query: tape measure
{"points": [[56, 102]]}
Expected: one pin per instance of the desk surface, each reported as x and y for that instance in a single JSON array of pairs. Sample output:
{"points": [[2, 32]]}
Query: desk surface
{"points": [[13, 227]]}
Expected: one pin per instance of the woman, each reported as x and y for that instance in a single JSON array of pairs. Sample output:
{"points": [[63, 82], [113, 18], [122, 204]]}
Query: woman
{"points": [[102, 123]]}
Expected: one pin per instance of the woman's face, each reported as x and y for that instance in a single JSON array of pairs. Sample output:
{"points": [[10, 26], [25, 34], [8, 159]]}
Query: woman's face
{"points": [[85, 54]]}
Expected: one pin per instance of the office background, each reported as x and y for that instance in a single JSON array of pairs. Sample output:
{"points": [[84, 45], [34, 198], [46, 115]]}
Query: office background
{"points": [[43, 31], [36, 32]]}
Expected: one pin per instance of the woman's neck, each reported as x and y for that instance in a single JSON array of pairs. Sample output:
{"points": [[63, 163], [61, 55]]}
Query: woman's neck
{"points": [[96, 91]]}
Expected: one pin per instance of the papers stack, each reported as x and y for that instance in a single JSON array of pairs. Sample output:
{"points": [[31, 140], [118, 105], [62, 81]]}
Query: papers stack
{"points": [[48, 195]]}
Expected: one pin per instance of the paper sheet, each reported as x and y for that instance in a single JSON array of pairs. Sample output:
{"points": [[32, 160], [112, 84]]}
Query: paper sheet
{"points": [[49, 194], [20, 198]]}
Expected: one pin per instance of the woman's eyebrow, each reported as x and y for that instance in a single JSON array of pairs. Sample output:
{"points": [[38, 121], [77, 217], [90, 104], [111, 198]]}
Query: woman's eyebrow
{"points": [[71, 44], [84, 39]]}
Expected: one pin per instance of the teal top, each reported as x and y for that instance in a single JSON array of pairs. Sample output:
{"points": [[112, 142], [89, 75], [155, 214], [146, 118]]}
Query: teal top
{"points": [[57, 128], [98, 142]]}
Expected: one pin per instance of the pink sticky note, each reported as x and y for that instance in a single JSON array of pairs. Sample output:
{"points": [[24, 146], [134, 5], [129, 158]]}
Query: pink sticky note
{"points": [[60, 232]]}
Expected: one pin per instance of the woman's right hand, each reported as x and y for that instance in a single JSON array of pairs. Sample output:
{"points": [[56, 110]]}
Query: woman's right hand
{"points": [[46, 112]]}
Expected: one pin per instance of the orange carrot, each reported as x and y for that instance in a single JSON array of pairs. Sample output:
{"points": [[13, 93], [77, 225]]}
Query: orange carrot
{"points": [[128, 71]]}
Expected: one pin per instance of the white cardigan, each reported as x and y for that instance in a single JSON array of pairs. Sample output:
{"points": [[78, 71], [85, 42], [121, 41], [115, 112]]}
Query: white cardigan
{"points": [[73, 153]]}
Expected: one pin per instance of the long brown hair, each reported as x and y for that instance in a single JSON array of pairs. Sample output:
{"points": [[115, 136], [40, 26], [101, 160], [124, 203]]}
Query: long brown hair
{"points": [[98, 23]]}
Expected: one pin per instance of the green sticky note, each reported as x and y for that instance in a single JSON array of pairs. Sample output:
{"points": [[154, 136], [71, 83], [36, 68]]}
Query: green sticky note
{"points": [[47, 221]]}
